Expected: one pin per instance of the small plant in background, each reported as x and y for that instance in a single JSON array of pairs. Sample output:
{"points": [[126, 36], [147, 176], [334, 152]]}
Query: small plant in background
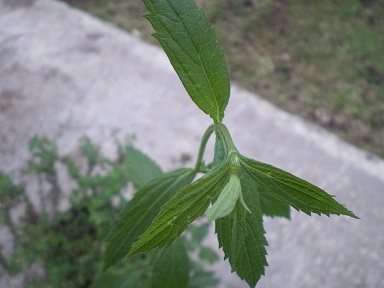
{"points": [[67, 246], [240, 190]]}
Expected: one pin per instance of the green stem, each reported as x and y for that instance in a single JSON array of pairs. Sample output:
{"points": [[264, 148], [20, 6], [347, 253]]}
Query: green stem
{"points": [[203, 144], [223, 133], [229, 146]]}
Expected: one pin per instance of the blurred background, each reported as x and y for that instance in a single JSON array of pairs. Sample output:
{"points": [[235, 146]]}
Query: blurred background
{"points": [[322, 60]]}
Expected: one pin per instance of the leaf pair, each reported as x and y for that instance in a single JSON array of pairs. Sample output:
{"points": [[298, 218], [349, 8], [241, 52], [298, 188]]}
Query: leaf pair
{"points": [[266, 190]]}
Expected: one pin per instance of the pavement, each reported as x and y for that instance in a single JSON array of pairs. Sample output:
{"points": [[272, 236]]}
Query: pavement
{"points": [[64, 74]]}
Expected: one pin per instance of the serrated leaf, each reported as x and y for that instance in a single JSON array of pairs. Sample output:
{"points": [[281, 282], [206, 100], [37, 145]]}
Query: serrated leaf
{"points": [[241, 235], [294, 191], [138, 214], [172, 266], [190, 44], [140, 168], [188, 204], [270, 206]]}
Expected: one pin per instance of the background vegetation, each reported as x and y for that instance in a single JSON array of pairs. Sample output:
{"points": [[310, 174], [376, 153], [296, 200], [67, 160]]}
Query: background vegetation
{"points": [[62, 247], [322, 60]]}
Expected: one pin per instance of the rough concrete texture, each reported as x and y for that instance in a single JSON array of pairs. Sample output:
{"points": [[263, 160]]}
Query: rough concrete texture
{"points": [[64, 73]]}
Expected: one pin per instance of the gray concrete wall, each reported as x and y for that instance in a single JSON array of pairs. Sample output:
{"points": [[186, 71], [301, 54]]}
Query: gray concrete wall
{"points": [[64, 73]]}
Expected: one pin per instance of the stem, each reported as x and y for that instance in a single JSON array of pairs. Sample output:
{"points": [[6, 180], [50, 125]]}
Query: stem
{"points": [[203, 144], [223, 133], [229, 146]]}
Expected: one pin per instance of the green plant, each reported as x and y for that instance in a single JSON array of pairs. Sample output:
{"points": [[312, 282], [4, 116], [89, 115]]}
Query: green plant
{"points": [[162, 210], [68, 244]]}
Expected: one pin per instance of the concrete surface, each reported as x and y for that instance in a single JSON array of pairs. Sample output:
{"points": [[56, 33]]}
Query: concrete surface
{"points": [[64, 73]]}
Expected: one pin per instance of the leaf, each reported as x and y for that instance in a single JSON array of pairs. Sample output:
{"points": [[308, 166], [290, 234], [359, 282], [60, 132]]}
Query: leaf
{"points": [[227, 199], [270, 205], [241, 235], [294, 191], [172, 266], [188, 204], [190, 44], [138, 214], [140, 168]]}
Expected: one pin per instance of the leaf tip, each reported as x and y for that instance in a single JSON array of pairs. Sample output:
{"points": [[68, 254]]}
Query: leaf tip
{"points": [[353, 215]]}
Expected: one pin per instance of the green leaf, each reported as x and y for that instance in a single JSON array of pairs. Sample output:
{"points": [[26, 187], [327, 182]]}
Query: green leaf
{"points": [[241, 235], [190, 44], [294, 191], [140, 168], [138, 214], [188, 204], [227, 199], [270, 205], [172, 266]]}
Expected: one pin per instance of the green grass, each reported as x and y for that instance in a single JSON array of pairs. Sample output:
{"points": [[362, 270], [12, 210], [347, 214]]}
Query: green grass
{"points": [[322, 60]]}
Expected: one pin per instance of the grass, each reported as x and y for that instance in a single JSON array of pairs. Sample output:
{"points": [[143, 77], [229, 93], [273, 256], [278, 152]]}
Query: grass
{"points": [[322, 60]]}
